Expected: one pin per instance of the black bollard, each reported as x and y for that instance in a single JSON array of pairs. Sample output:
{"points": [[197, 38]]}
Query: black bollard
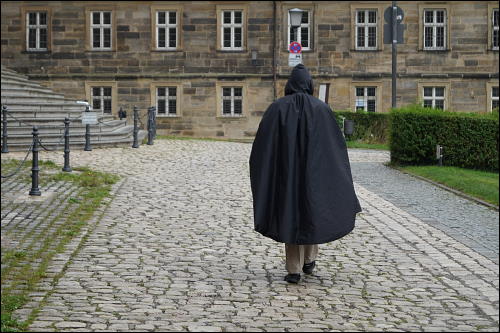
{"points": [[35, 169], [66, 167], [87, 133], [5, 149], [150, 126], [153, 110], [135, 144]]}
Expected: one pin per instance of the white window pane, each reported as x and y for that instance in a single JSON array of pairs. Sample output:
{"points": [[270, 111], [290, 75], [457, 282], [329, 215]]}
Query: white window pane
{"points": [[161, 37], [238, 17], [32, 38], [32, 18], [107, 37], [107, 17], [427, 91], [96, 33], [172, 17], [494, 92], [96, 18], [439, 91], [372, 16], [161, 17], [226, 17], [361, 17], [429, 16]]}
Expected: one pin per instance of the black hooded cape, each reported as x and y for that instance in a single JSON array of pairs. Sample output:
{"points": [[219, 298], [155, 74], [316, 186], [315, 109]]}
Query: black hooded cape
{"points": [[299, 169]]}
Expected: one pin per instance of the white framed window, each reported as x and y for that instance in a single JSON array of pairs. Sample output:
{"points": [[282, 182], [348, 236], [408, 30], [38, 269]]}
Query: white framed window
{"points": [[366, 99], [434, 97], [366, 29], [166, 30], [434, 29], [232, 101], [101, 99], [494, 35], [232, 30], [100, 30], [36, 31], [166, 101], [494, 98], [303, 32]]}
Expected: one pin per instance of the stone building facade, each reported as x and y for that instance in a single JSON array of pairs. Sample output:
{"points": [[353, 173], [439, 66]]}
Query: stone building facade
{"points": [[211, 68]]}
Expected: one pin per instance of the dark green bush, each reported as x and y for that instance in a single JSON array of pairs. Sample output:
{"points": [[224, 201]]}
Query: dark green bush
{"points": [[369, 127], [469, 140]]}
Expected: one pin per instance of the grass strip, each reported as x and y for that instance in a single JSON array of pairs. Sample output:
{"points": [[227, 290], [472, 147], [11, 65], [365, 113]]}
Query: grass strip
{"points": [[476, 183], [358, 144], [95, 187]]}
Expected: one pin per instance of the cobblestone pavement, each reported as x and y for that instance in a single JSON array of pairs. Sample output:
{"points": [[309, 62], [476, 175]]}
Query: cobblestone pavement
{"points": [[176, 251]]}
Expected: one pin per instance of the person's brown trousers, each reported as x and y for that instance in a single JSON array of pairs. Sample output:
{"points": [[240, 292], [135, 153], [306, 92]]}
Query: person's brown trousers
{"points": [[297, 255]]}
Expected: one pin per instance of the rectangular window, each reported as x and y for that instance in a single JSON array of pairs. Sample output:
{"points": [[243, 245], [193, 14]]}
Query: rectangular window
{"points": [[366, 99], [232, 30], [232, 101], [101, 99], [36, 31], [100, 30], [494, 98], [434, 97], [166, 30], [494, 34], [166, 101], [302, 34], [434, 29], [366, 30]]}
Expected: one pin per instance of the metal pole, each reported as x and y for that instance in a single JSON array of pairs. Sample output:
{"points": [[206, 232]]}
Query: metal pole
{"points": [[153, 111], [394, 52], [150, 126], [135, 144], [35, 169], [87, 133], [66, 167], [5, 149]]}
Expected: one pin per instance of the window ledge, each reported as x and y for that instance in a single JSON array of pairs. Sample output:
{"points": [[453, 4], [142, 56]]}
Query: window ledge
{"points": [[231, 117], [167, 117], [37, 52], [232, 51]]}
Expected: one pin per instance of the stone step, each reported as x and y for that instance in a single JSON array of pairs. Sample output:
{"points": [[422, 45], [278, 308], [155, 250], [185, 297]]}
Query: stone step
{"points": [[32, 91], [79, 144], [45, 107], [14, 77], [7, 83], [58, 128], [7, 71], [27, 138], [8, 98]]}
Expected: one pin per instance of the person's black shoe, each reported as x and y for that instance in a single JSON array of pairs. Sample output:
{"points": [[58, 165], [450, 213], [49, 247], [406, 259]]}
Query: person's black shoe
{"points": [[292, 278], [308, 268]]}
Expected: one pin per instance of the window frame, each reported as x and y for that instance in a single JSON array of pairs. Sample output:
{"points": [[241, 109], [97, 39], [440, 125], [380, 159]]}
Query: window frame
{"points": [[366, 25], [153, 88], [285, 12], [154, 31], [220, 9], [299, 30], [434, 84], [101, 26], [447, 27], [365, 97], [114, 97], [489, 95], [89, 28], [25, 32], [378, 85], [492, 7], [379, 8], [220, 99]]}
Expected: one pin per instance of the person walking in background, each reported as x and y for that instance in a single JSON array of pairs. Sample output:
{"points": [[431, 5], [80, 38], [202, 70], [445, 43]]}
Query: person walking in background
{"points": [[303, 193]]}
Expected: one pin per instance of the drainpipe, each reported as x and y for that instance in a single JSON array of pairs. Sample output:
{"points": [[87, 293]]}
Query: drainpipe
{"points": [[274, 49]]}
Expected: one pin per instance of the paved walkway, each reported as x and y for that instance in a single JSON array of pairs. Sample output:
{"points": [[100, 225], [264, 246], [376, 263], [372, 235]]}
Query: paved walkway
{"points": [[176, 251]]}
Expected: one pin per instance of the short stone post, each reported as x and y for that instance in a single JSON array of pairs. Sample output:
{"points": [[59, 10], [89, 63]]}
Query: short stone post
{"points": [[135, 144], [5, 149]]}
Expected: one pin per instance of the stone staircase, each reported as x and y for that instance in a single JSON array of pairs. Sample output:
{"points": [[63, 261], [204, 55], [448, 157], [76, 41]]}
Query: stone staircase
{"points": [[29, 103]]}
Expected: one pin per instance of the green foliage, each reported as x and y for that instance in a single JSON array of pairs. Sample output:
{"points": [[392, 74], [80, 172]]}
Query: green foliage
{"points": [[469, 140], [369, 127]]}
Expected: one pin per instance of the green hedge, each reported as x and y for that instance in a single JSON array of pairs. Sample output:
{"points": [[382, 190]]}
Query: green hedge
{"points": [[469, 140], [369, 127]]}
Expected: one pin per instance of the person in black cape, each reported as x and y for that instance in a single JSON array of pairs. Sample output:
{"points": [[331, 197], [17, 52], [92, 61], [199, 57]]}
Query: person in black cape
{"points": [[303, 193]]}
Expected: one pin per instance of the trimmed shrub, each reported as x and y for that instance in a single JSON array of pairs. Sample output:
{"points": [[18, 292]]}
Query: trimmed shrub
{"points": [[469, 140], [369, 127]]}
